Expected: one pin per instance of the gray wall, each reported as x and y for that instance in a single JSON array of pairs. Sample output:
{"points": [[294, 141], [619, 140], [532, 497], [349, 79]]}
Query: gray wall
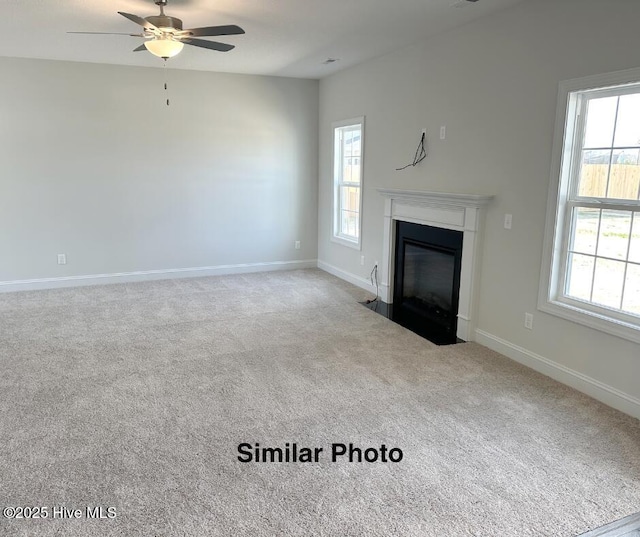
{"points": [[95, 165], [494, 84]]}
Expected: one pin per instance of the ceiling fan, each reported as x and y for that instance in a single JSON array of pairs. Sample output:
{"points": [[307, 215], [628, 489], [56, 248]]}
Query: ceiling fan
{"points": [[165, 37]]}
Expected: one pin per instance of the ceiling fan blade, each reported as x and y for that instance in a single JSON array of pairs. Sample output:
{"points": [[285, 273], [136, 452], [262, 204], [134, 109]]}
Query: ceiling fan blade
{"points": [[212, 45], [139, 20], [107, 33], [208, 31], [141, 47]]}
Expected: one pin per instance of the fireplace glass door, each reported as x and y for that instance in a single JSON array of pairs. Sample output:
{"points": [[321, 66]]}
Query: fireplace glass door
{"points": [[430, 295]]}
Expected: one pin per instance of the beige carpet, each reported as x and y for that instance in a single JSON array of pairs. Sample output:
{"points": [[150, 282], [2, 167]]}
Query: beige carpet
{"points": [[136, 397]]}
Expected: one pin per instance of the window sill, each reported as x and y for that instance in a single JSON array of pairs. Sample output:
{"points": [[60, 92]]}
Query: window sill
{"points": [[346, 242], [609, 325]]}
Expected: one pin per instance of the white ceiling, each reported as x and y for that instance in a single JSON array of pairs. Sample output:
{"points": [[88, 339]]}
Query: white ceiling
{"points": [[283, 37]]}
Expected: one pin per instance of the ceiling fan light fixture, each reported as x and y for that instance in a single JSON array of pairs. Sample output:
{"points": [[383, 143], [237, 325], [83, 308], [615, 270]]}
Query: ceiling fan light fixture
{"points": [[164, 48]]}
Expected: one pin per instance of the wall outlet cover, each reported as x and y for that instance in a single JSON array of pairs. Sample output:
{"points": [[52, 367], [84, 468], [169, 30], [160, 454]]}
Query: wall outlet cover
{"points": [[528, 321]]}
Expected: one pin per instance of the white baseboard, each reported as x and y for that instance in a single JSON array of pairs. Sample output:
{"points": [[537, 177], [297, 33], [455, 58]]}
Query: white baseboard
{"points": [[147, 275], [363, 283], [598, 390]]}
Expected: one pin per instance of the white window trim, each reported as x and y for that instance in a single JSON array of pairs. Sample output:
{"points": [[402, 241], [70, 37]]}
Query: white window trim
{"points": [[552, 256], [355, 244]]}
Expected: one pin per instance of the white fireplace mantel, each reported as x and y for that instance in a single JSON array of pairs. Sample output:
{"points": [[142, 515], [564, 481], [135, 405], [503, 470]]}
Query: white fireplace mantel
{"points": [[460, 212]]}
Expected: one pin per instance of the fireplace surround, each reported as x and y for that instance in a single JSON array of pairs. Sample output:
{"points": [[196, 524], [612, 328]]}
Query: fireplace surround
{"points": [[449, 211]]}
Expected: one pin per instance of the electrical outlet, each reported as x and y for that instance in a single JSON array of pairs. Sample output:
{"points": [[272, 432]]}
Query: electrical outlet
{"points": [[528, 321], [297, 245], [362, 260], [62, 259], [443, 132], [508, 220]]}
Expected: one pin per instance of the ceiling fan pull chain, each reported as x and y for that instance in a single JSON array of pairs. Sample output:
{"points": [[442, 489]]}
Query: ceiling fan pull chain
{"points": [[166, 86]]}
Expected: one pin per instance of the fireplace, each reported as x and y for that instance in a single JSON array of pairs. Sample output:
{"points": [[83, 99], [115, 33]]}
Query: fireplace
{"points": [[427, 280], [461, 213]]}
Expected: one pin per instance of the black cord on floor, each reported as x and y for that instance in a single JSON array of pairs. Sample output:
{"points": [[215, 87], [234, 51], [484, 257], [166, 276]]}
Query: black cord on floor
{"points": [[421, 154], [374, 273]]}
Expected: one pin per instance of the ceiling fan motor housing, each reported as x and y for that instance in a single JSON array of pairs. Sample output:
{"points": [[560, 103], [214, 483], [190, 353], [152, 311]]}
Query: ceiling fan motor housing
{"points": [[164, 21]]}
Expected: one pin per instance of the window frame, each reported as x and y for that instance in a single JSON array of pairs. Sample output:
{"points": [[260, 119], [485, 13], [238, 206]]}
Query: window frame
{"points": [[336, 235], [563, 196]]}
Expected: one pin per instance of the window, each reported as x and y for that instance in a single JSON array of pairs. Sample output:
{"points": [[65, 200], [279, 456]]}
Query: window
{"points": [[592, 264], [347, 179]]}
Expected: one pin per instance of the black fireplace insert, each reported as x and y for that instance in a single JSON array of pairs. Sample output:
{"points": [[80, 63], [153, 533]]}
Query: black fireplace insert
{"points": [[428, 261]]}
